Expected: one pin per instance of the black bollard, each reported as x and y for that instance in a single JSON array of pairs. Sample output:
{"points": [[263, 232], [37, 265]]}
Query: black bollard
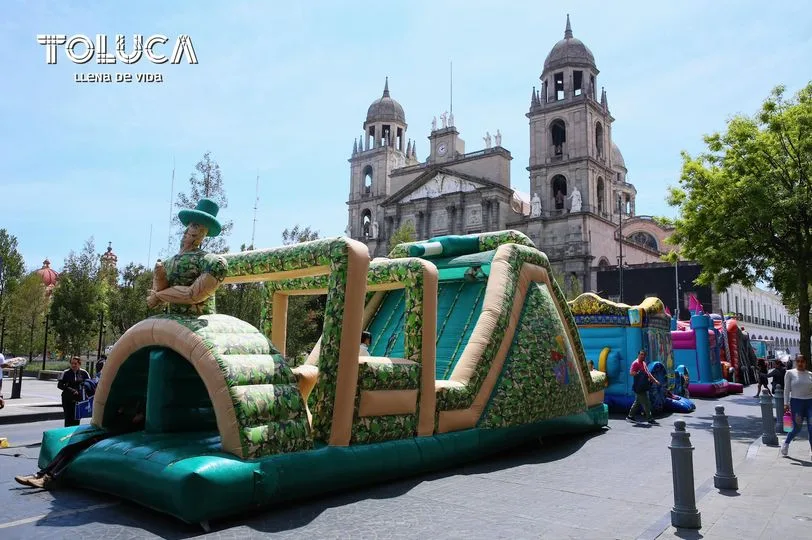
{"points": [[16, 383], [778, 398], [684, 514], [767, 421], [724, 478]]}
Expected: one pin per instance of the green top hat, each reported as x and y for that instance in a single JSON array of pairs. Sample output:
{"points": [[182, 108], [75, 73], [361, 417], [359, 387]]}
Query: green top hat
{"points": [[205, 213]]}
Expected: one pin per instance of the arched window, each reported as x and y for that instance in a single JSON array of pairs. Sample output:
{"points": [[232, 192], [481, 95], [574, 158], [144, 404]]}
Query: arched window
{"points": [[366, 223], [644, 239], [601, 195], [558, 135], [368, 179], [559, 189], [603, 264], [599, 139]]}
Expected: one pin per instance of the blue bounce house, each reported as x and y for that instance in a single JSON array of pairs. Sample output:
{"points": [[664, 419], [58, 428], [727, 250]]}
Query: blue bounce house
{"points": [[613, 334]]}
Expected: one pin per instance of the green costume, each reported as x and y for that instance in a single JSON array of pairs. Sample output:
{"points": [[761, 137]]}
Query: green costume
{"points": [[183, 269]]}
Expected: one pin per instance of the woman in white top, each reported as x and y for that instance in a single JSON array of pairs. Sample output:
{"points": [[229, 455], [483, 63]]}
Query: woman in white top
{"points": [[798, 400]]}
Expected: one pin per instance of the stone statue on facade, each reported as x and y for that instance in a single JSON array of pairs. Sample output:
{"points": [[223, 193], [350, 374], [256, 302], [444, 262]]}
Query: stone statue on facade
{"points": [[450, 119], [576, 201], [487, 139], [444, 118], [434, 123], [187, 281], [374, 230], [535, 206], [498, 138]]}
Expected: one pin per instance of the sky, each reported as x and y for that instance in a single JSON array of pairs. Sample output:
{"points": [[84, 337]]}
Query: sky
{"points": [[281, 92]]}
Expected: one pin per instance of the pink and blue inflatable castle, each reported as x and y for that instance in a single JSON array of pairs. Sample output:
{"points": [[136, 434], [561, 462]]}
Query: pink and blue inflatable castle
{"points": [[697, 348]]}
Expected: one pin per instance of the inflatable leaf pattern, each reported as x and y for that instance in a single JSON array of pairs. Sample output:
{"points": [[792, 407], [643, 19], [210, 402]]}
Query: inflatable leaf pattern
{"points": [[383, 428], [536, 383]]}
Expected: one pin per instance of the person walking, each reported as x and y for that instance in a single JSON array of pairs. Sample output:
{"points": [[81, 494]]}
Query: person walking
{"points": [[71, 382], [762, 378], [642, 381], [798, 401], [776, 375]]}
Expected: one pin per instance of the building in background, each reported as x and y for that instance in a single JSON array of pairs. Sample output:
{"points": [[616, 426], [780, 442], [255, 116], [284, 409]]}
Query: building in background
{"points": [[761, 312], [578, 186]]}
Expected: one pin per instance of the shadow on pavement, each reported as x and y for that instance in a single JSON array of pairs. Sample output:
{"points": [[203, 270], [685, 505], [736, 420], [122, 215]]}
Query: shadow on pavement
{"points": [[290, 515], [688, 534]]}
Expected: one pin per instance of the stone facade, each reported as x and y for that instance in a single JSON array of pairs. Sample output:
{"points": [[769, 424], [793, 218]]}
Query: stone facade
{"points": [[579, 191]]}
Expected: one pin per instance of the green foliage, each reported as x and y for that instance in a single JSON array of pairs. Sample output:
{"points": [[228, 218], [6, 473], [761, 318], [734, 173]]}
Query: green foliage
{"points": [[209, 184], [404, 233], [11, 270], [298, 234], [570, 285], [305, 313], [26, 317], [127, 302], [746, 203], [243, 300], [78, 299]]}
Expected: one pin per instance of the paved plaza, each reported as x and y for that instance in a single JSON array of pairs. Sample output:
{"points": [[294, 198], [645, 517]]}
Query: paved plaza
{"points": [[612, 484]]}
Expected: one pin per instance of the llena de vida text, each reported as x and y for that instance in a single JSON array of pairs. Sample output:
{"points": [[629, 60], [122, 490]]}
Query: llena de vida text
{"points": [[80, 49]]}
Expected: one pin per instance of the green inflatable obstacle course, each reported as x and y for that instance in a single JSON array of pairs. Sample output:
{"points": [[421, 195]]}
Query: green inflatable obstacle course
{"points": [[474, 350]]}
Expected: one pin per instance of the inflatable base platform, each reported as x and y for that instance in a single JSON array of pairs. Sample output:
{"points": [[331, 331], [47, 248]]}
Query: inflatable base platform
{"points": [[715, 389], [169, 472]]}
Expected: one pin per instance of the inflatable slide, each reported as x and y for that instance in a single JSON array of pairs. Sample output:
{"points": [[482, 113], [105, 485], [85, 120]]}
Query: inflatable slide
{"points": [[613, 334], [697, 348], [474, 350]]}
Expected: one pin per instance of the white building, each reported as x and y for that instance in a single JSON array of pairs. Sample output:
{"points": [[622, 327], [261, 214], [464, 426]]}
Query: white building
{"points": [[762, 315]]}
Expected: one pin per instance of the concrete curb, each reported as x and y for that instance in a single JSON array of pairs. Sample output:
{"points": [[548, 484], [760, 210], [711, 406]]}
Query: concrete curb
{"points": [[6, 419]]}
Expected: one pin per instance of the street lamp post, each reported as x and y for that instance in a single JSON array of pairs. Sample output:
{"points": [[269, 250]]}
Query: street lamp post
{"points": [[676, 289], [101, 335], [45, 347], [620, 234]]}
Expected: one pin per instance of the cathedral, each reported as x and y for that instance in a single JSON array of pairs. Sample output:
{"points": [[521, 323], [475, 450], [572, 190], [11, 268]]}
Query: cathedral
{"points": [[580, 209]]}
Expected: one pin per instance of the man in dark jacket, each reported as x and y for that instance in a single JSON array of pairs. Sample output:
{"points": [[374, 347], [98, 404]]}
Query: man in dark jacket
{"points": [[71, 382]]}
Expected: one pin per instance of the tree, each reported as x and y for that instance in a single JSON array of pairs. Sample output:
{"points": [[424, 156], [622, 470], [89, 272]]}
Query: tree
{"points": [[746, 204], [305, 313], [298, 234], [11, 270], [128, 302], [242, 300], [570, 284], [401, 235], [77, 301], [27, 306], [209, 184]]}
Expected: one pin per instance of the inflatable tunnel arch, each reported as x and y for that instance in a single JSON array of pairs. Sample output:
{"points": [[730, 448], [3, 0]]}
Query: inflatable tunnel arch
{"points": [[240, 370]]}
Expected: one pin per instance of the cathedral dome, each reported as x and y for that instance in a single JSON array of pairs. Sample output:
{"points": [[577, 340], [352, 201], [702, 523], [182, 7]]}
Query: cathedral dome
{"points": [[48, 275], [569, 51], [617, 158], [386, 109]]}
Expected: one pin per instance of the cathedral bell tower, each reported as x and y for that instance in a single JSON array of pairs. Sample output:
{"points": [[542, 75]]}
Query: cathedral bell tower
{"points": [[382, 148], [571, 134]]}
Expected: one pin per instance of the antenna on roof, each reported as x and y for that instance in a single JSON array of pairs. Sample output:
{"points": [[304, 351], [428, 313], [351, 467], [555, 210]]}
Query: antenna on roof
{"points": [[171, 202], [256, 205], [451, 87]]}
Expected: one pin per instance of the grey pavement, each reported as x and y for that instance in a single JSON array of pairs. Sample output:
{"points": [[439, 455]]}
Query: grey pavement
{"points": [[613, 484], [39, 400]]}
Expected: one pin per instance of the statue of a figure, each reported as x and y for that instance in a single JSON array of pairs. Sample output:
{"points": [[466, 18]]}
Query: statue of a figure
{"points": [[374, 230], [434, 124], [576, 200], [535, 206], [487, 139], [444, 118], [187, 281], [498, 138], [450, 119]]}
